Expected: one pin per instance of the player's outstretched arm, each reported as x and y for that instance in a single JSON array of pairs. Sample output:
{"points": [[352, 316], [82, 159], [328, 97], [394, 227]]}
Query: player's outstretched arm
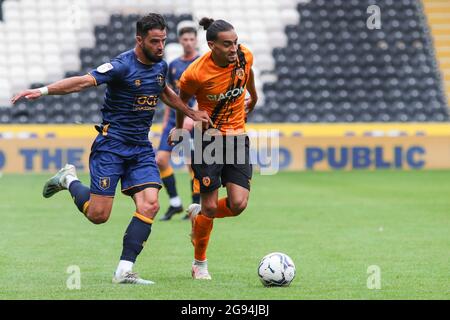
{"points": [[170, 98], [61, 87]]}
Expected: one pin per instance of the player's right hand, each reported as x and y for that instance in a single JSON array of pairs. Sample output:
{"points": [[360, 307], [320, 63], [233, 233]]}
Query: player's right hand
{"points": [[30, 94], [170, 138], [202, 115]]}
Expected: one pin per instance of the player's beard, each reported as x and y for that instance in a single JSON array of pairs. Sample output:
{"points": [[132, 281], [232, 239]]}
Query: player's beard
{"points": [[150, 56]]}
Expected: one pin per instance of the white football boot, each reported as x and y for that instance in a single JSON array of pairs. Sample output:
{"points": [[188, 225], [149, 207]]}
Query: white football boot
{"points": [[200, 271], [129, 277], [58, 181]]}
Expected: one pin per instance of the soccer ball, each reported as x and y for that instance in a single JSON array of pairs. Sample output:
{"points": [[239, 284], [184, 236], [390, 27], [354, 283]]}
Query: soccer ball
{"points": [[276, 269]]}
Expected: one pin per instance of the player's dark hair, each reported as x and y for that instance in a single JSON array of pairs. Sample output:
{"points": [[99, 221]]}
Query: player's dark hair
{"points": [[187, 30], [149, 22], [213, 27]]}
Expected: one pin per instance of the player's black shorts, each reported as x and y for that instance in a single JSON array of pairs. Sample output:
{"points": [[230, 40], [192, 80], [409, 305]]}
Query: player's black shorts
{"points": [[234, 168]]}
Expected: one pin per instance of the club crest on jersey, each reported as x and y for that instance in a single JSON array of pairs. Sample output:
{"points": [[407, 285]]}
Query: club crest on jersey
{"points": [[240, 73], [206, 181], [137, 83], [105, 183], [105, 67], [161, 79]]}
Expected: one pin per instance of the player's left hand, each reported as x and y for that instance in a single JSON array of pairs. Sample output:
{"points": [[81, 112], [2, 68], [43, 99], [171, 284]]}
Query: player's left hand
{"points": [[249, 105], [31, 94]]}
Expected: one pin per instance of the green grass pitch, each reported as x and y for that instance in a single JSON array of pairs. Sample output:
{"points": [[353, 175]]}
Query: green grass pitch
{"points": [[333, 225]]}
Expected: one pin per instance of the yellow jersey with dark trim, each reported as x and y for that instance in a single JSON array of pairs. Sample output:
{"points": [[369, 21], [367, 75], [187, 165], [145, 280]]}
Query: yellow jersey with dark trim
{"points": [[131, 96], [220, 91]]}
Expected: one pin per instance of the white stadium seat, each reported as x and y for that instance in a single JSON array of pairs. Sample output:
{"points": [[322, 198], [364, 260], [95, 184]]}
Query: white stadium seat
{"points": [[17, 76], [50, 37], [34, 59], [36, 73], [71, 63], [11, 10], [5, 90]]}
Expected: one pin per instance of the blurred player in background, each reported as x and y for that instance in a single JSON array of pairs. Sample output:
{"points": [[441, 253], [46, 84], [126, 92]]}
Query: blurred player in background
{"points": [[122, 151], [187, 37], [219, 80]]}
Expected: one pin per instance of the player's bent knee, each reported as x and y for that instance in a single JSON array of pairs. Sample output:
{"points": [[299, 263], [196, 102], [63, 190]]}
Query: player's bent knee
{"points": [[98, 217], [148, 209], [237, 207]]}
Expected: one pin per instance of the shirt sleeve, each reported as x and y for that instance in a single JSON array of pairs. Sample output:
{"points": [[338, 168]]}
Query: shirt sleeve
{"points": [[108, 72], [248, 55], [189, 82], [250, 58], [166, 74], [170, 75]]}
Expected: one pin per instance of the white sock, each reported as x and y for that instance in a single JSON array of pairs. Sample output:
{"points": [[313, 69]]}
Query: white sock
{"points": [[124, 266], [69, 180], [175, 201], [201, 263]]}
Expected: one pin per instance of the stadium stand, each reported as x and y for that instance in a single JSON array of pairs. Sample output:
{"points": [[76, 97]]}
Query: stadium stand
{"points": [[315, 61], [110, 40], [335, 69]]}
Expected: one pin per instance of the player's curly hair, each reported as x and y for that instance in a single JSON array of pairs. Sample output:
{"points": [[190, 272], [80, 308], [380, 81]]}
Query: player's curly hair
{"points": [[213, 27], [149, 22]]}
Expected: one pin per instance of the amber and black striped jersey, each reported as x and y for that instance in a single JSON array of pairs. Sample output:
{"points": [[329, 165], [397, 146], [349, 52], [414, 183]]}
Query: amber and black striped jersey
{"points": [[220, 91]]}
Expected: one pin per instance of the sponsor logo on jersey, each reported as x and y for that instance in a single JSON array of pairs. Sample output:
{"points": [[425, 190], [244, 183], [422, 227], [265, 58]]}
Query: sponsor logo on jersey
{"points": [[145, 103], [229, 94]]}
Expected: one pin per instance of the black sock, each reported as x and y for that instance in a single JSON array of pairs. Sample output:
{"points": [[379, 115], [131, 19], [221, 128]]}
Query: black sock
{"points": [[169, 183], [195, 196], [134, 239], [80, 195]]}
